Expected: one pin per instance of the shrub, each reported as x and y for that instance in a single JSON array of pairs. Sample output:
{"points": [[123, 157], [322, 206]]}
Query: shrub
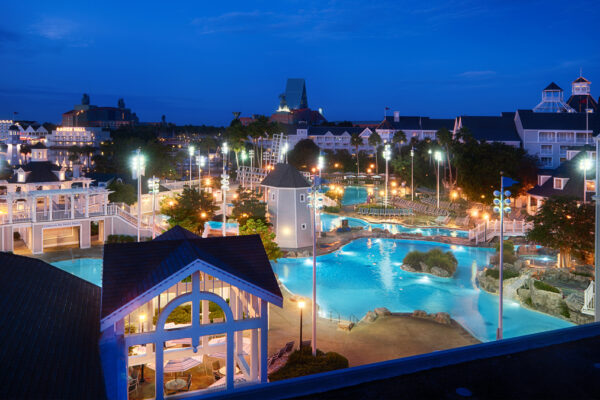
{"points": [[432, 258], [507, 273], [544, 286], [331, 209], [120, 239], [183, 314], [130, 328], [584, 274], [508, 246], [302, 362], [529, 302]]}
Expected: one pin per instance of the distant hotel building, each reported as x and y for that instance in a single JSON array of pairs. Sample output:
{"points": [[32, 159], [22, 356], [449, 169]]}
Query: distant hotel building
{"points": [[88, 115]]}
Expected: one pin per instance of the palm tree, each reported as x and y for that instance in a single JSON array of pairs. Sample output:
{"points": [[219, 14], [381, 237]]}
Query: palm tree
{"points": [[375, 141], [399, 137], [356, 141]]}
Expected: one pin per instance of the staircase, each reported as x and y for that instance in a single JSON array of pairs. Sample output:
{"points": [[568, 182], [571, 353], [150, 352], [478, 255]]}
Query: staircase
{"points": [[486, 231]]}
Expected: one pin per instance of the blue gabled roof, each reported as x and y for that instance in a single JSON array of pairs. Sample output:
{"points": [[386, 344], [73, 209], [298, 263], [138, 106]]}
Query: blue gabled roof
{"points": [[131, 269]]}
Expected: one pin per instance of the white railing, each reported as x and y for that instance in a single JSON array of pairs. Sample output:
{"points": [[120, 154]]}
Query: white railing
{"points": [[588, 300], [486, 231]]}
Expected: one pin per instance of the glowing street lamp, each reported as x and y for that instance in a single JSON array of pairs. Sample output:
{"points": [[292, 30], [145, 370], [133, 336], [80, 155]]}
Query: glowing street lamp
{"points": [[438, 158], [153, 186], [224, 187], [584, 165], [387, 154], [138, 165], [412, 180], [200, 162], [315, 201], [191, 151], [251, 153], [502, 206]]}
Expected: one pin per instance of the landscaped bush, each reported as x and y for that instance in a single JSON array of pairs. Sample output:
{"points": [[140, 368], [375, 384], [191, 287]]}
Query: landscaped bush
{"points": [[120, 239], [183, 314], [331, 209], [507, 273], [432, 258], [509, 253], [302, 362], [544, 286]]}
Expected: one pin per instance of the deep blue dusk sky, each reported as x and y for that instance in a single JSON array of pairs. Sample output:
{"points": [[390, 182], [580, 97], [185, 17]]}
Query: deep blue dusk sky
{"points": [[197, 61]]}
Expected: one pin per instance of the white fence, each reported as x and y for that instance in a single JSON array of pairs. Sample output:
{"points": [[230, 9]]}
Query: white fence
{"points": [[488, 230], [588, 300]]}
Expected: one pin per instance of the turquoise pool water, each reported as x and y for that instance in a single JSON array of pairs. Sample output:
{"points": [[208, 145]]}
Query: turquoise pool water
{"points": [[354, 195], [219, 225], [89, 269], [330, 222], [366, 274]]}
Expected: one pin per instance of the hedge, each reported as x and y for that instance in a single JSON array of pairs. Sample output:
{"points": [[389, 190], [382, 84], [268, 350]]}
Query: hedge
{"points": [[432, 258], [507, 273], [544, 286], [120, 239]]}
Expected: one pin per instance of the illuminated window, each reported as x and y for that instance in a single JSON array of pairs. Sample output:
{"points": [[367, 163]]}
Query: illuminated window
{"points": [[559, 183]]}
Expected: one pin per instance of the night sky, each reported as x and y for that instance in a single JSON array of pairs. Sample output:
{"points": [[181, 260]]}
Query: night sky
{"points": [[197, 61]]}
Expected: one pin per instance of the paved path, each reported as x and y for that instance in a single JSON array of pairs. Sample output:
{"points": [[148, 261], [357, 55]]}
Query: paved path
{"points": [[385, 339]]}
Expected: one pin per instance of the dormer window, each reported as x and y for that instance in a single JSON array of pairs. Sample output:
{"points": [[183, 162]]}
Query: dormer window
{"points": [[542, 179], [559, 183]]}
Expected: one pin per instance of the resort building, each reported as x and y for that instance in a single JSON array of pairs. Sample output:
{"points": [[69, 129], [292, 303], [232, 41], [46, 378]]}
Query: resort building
{"points": [[329, 137], [88, 139], [87, 115], [44, 208], [491, 129], [286, 191], [420, 128], [553, 101], [566, 180], [548, 136], [225, 282]]}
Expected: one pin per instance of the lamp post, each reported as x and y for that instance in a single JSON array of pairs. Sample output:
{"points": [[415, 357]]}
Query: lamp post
{"points": [[438, 158], [138, 164], [501, 206], [244, 157], [191, 150], [153, 186], [315, 202], [251, 154], [301, 305], [412, 176], [224, 186], [201, 162], [585, 164], [387, 153]]}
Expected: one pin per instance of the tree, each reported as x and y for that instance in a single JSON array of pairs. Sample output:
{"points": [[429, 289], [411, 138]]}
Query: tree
{"points": [[356, 141], [304, 155], [190, 209], [423, 175], [399, 137], [445, 139], [563, 224], [122, 193], [258, 227], [375, 141], [247, 206]]}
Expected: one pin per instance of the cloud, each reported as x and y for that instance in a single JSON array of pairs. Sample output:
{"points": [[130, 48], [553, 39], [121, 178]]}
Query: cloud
{"points": [[477, 74], [54, 28]]}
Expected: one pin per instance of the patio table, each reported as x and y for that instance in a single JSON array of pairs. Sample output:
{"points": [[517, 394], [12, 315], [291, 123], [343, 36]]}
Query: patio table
{"points": [[223, 370], [175, 384]]}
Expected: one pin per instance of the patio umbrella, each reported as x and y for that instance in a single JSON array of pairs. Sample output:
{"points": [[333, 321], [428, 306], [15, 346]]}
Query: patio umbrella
{"points": [[181, 365]]}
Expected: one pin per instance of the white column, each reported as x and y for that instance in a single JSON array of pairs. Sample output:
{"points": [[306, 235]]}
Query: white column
{"points": [[105, 204], [9, 202], [72, 201], [264, 338], [254, 354], [50, 207], [33, 206], [87, 205]]}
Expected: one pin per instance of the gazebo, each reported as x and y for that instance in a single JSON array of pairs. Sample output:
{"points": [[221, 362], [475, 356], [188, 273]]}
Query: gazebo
{"points": [[227, 283]]}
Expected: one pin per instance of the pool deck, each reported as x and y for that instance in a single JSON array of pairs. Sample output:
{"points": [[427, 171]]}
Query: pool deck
{"points": [[387, 338]]}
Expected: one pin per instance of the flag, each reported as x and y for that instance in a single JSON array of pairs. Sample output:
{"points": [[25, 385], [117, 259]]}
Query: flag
{"points": [[507, 182]]}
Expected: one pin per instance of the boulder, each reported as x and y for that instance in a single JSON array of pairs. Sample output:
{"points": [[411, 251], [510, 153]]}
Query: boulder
{"points": [[519, 264], [408, 268], [437, 271], [382, 312], [369, 317], [345, 326], [442, 318], [424, 267], [548, 302], [575, 301], [420, 314]]}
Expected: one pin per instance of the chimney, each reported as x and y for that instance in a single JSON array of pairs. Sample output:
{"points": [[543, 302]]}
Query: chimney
{"points": [[396, 116]]}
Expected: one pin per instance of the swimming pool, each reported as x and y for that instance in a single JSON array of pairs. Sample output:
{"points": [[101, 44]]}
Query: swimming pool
{"points": [[330, 222], [89, 269], [366, 274], [354, 195], [219, 225]]}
